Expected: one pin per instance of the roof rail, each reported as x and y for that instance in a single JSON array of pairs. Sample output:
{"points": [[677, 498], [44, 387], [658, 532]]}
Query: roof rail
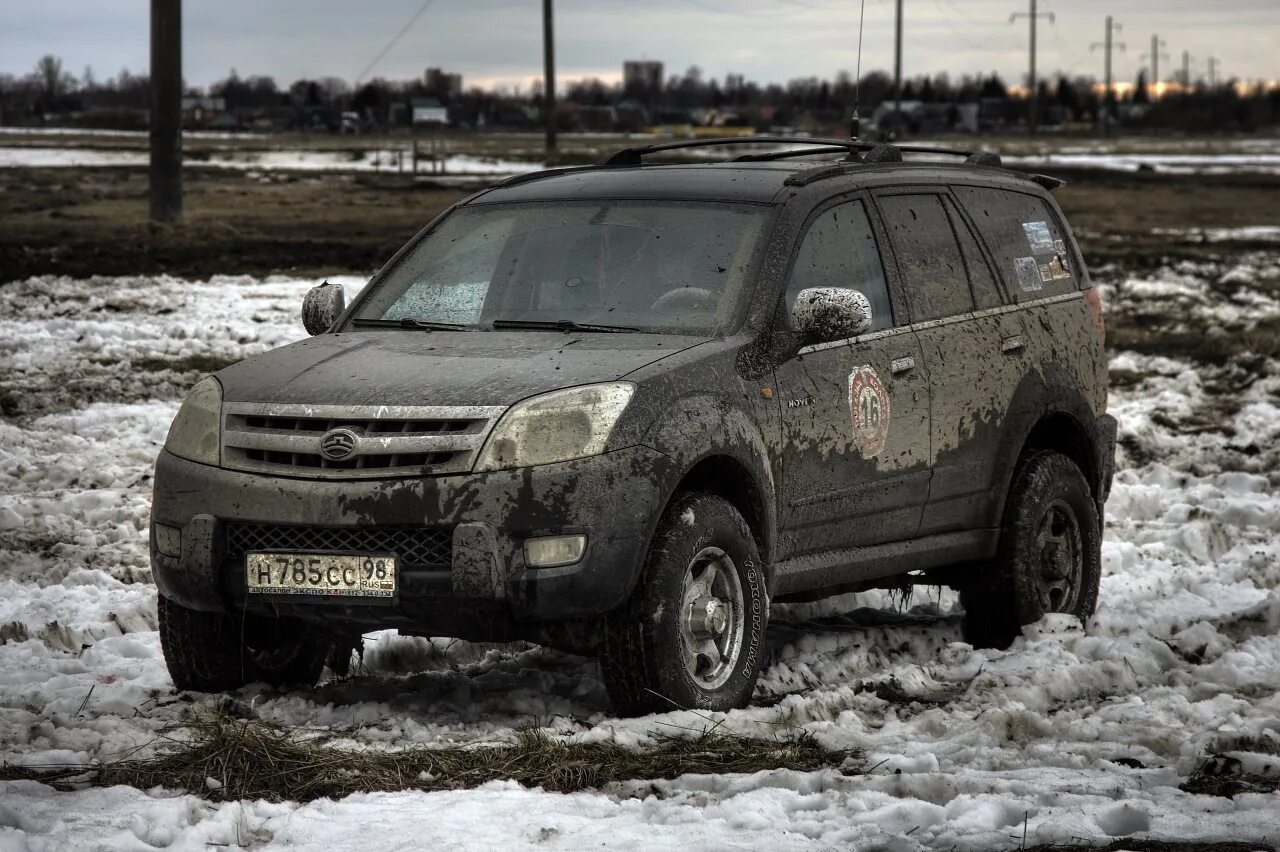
{"points": [[633, 156], [809, 145], [539, 174]]}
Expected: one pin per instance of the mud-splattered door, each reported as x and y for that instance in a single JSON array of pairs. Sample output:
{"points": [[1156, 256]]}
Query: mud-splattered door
{"points": [[855, 421], [855, 443], [972, 351]]}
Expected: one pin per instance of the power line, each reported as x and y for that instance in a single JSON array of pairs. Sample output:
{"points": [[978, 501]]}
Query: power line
{"points": [[754, 13], [413, 20], [959, 33], [951, 4]]}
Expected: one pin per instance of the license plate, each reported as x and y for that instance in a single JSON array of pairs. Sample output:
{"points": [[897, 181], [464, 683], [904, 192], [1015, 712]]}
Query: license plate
{"points": [[321, 574]]}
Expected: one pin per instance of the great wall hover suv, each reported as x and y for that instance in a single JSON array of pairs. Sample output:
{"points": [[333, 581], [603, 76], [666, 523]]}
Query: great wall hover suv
{"points": [[621, 409]]}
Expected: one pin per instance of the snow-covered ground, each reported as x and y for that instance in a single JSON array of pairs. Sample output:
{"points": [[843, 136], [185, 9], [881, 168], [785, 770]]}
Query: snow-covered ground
{"points": [[284, 159], [1174, 164], [1184, 650], [1166, 155]]}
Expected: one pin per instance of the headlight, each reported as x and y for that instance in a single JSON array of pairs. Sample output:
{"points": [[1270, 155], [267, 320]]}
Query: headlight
{"points": [[556, 427], [195, 433]]}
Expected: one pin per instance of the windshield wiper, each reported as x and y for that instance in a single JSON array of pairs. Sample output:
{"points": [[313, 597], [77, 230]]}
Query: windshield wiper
{"points": [[561, 325], [409, 322]]}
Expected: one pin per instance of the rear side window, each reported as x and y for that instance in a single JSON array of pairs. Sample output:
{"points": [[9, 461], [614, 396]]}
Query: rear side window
{"points": [[1026, 240], [933, 271], [839, 250], [986, 292]]}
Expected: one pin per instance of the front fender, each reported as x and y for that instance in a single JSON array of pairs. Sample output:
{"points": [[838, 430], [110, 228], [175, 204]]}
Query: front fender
{"points": [[702, 432]]}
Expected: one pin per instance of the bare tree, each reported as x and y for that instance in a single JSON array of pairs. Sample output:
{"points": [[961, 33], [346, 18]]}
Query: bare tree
{"points": [[52, 79]]}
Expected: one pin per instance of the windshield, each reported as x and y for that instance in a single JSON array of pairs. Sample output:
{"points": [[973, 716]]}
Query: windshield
{"points": [[676, 267]]}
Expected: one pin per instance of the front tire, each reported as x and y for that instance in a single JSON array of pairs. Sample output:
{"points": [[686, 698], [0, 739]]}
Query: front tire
{"points": [[692, 634], [1050, 556], [219, 652]]}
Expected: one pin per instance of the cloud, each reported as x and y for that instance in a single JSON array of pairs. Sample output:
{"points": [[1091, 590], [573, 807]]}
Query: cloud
{"points": [[500, 40]]}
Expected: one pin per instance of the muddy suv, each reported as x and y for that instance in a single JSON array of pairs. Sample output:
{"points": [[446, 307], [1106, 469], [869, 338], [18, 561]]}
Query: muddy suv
{"points": [[621, 409]]}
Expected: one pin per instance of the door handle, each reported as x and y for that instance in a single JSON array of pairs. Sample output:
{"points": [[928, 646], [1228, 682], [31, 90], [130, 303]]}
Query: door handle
{"points": [[901, 365], [1011, 344]]}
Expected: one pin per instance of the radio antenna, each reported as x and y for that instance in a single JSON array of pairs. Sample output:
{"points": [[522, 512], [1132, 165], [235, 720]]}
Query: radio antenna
{"points": [[855, 123]]}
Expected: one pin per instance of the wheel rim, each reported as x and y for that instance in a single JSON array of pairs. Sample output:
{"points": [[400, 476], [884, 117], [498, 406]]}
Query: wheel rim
{"points": [[1060, 559], [711, 618]]}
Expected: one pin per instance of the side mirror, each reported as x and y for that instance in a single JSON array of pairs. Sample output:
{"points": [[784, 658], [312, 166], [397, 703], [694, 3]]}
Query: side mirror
{"points": [[322, 307], [831, 313]]}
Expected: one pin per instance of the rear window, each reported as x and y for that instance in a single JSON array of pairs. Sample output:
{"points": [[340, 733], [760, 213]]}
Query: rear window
{"points": [[1026, 240], [933, 270]]}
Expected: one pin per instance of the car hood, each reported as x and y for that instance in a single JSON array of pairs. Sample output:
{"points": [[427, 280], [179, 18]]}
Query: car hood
{"points": [[398, 367]]}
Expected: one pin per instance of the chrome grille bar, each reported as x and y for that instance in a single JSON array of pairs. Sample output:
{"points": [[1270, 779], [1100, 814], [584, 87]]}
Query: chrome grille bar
{"points": [[387, 441]]}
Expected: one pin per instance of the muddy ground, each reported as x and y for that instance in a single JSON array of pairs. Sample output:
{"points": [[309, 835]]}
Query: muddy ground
{"points": [[93, 221]]}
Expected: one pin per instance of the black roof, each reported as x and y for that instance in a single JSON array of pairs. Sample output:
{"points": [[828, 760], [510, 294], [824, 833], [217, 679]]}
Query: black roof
{"points": [[752, 178], [750, 182]]}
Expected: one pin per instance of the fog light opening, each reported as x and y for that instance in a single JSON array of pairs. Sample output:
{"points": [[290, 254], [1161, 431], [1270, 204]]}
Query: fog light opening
{"points": [[553, 551], [168, 540]]}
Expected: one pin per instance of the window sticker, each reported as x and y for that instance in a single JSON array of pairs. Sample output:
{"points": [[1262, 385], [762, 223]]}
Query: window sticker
{"points": [[1060, 247], [1038, 237], [1028, 273], [1057, 269]]}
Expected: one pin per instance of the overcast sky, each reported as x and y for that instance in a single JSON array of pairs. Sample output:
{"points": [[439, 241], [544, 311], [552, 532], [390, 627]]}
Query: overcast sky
{"points": [[499, 41]]}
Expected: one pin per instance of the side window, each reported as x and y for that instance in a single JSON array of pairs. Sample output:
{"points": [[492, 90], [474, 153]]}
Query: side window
{"points": [[986, 293], [933, 272], [1026, 240], [839, 250]]}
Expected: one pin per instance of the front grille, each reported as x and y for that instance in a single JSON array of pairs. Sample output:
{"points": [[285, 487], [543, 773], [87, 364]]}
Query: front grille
{"points": [[416, 546], [382, 441]]}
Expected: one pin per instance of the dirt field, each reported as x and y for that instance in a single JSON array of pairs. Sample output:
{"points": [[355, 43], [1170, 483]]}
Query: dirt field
{"points": [[1126, 732], [93, 221]]}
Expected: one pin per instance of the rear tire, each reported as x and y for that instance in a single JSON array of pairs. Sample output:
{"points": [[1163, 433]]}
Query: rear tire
{"points": [[218, 652], [692, 634], [1050, 556]]}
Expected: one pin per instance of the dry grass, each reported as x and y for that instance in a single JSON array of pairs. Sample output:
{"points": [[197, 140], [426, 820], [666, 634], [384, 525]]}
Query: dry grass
{"points": [[249, 759], [1225, 776]]}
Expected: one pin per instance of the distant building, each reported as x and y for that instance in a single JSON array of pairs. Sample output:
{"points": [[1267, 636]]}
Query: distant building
{"points": [[202, 112], [642, 75], [442, 84], [428, 111]]}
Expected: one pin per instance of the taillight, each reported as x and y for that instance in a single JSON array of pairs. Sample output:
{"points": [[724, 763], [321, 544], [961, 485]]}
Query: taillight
{"points": [[1094, 300]]}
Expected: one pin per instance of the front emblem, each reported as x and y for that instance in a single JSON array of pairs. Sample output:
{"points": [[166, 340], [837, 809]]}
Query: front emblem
{"points": [[338, 444], [869, 410]]}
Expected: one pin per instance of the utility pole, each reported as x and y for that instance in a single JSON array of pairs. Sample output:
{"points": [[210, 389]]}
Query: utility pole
{"points": [[1186, 72], [549, 75], [1155, 56], [897, 65], [1107, 94], [166, 110], [1213, 72], [1033, 114]]}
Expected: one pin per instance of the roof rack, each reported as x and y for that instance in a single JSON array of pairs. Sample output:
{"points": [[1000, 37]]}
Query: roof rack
{"points": [[809, 146], [633, 156], [524, 177]]}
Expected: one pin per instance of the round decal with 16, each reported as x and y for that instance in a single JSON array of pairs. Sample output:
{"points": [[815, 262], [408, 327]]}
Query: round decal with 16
{"points": [[869, 410]]}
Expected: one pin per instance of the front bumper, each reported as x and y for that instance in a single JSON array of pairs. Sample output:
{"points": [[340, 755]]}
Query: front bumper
{"points": [[616, 499]]}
